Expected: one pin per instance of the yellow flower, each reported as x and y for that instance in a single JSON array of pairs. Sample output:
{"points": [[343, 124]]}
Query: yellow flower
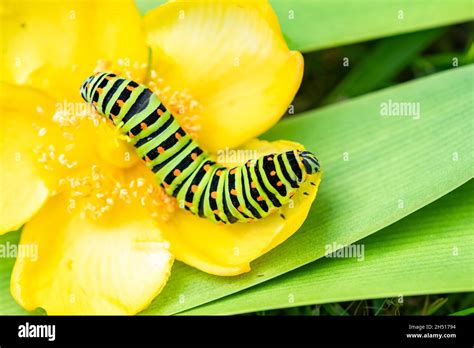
{"points": [[106, 234]]}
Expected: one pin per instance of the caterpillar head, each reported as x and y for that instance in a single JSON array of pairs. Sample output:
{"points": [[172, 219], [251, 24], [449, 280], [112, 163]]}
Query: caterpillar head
{"points": [[310, 162], [89, 86]]}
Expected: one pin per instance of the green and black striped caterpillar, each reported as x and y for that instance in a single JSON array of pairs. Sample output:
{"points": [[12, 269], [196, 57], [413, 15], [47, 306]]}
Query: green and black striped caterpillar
{"points": [[220, 194]]}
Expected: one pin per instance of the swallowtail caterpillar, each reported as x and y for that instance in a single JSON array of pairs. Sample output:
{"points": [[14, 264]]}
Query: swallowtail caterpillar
{"points": [[223, 195]]}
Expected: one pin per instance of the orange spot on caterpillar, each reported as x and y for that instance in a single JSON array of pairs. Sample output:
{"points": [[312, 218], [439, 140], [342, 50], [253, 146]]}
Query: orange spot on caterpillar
{"points": [[176, 172], [88, 85], [194, 188], [159, 112], [207, 167], [130, 134], [147, 159], [130, 88], [108, 78], [120, 102], [272, 173], [233, 192], [241, 209], [253, 184], [113, 116], [177, 135], [216, 211], [233, 171], [214, 194], [249, 164], [270, 158], [188, 204], [259, 198], [160, 149], [219, 172], [99, 90], [279, 183], [143, 126], [194, 156]]}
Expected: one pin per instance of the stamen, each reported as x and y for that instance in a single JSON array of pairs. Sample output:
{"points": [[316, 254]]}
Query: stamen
{"points": [[182, 104]]}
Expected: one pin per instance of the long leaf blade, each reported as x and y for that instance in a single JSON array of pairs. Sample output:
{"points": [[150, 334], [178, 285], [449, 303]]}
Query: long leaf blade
{"points": [[430, 251], [313, 25]]}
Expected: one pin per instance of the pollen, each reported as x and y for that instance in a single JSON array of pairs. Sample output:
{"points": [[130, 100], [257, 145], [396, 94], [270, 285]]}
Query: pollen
{"points": [[42, 132], [181, 103]]}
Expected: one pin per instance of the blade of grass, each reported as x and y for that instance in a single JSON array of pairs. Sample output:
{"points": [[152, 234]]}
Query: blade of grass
{"points": [[430, 251], [436, 305], [312, 25], [385, 61], [8, 243], [367, 19], [467, 311], [377, 170]]}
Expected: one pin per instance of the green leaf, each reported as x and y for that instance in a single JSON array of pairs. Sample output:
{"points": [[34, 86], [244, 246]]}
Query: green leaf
{"points": [[381, 64], [440, 302], [312, 25], [376, 170], [430, 251], [8, 243], [467, 311]]}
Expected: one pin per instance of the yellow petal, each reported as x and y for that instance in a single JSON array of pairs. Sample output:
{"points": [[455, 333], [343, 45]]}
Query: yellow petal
{"points": [[115, 262], [229, 249], [223, 67], [41, 146], [54, 45], [23, 190]]}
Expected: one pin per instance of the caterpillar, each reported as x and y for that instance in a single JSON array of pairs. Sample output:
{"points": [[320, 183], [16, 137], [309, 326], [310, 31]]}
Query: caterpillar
{"points": [[222, 195]]}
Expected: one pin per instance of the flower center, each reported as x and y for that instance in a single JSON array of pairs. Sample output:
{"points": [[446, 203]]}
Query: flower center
{"points": [[83, 157], [181, 103]]}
